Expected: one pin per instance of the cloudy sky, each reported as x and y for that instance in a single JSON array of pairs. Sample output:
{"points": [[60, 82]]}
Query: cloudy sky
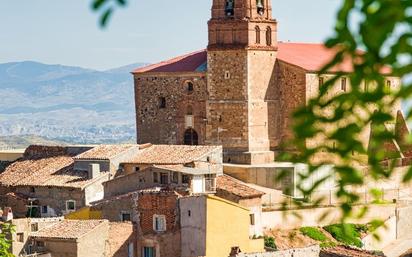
{"points": [[67, 32]]}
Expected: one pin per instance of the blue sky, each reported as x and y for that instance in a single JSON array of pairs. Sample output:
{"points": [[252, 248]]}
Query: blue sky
{"points": [[66, 31]]}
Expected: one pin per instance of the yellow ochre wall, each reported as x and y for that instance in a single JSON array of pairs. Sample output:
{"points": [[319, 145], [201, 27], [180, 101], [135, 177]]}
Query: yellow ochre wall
{"points": [[84, 214], [228, 226]]}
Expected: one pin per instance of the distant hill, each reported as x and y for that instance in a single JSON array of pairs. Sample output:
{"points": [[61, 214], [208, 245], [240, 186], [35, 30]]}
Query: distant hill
{"points": [[65, 103], [23, 141]]}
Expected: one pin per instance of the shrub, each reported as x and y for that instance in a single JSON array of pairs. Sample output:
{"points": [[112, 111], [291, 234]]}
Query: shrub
{"points": [[347, 234], [328, 244], [314, 233], [270, 242]]}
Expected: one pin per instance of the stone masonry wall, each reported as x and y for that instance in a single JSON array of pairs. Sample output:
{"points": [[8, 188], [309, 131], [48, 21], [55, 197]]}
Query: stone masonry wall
{"points": [[167, 125]]}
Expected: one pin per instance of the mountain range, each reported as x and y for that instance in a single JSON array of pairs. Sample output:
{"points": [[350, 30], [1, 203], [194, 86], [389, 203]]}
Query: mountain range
{"points": [[69, 104]]}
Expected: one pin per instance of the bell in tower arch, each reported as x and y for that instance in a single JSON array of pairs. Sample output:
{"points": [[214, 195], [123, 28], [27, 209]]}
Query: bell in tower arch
{"points": [[230, 7], [260, 7]]}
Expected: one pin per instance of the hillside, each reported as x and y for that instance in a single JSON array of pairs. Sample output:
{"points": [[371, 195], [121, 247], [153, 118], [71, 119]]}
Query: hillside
{"points": [[66, 103]]}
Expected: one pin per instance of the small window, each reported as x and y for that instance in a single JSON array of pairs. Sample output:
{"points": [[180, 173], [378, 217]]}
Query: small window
{"points": [[268, 36], [252, 219], [40, 244], [189, 110], [220, 118], [32, 190], [343, 84], [20, 237], [185, 179], [159, 223], [126, 216], [388, 86], [155, 177], [189, 86], [164, 178], [321, 82], [162, 102], [136, 169], [175, 177], [227, 75], [34, 227], [149, 252], [257, 31], [70, 205], [189, 213], [44, 209]]}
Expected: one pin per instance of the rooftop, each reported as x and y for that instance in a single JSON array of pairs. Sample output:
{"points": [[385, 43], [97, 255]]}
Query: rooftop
{"points": [[68, 229], [104, 152], [231, 185], [170, 154], [192, 62], [46, 166], [308, 56]]}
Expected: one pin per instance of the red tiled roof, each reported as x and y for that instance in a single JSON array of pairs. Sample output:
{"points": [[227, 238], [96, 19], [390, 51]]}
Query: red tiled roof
{"points": [[104, 152], [185, 63], [308, 56], [236, 187], [68, 229]]}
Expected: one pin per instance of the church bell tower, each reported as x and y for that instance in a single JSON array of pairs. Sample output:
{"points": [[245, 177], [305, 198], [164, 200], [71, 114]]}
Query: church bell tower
{"points": [[241, 59]]}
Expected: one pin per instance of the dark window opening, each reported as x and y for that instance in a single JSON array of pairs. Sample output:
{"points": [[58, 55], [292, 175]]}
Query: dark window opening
{"points": [[20, 237], [257, 30], [136, 169], [230, 8], [162, 102], [189, 213], [252, 219], [155, 177], [34, 227], [189, 110], [164, 178], [32, 190], [175, 177], [44, 209], [189, 87], [149, 252], [269, 36], [185, 179], [191, 137], [126, 217], [343, 84]]}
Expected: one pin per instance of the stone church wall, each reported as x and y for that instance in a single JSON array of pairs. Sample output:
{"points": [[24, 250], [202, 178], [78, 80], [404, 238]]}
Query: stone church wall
{"points": [[167, 125]]}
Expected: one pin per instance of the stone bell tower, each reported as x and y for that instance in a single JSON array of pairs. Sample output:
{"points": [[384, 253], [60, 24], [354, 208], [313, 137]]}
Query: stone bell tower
{"points": [[241, 59]]}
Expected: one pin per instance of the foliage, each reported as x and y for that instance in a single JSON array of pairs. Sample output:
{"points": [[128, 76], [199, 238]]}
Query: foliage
{"points": [[313, 233], [327, 244], [347, 234], [6, 229], [328, 129], [106, 7], [270, 242]]}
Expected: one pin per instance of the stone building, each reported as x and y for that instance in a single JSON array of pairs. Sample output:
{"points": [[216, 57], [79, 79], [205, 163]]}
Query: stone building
{"points": [[238, 93], [52, 180]]}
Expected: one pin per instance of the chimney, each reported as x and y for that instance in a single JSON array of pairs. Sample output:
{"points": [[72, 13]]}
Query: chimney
{"points": [[94, 170]]}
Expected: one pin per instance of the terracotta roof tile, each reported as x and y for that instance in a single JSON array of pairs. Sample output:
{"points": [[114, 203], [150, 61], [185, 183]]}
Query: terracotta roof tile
{"points": [[308, 56], [186, 63], [68, 229], [170, 154], [236, 187], [104, 152], [52, 171]]}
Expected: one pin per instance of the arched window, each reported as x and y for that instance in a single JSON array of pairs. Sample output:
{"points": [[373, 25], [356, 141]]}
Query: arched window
{"points": [[269, 36], [230, 8], [191, 137], [260, 8], [257, 30], [189, 86]]}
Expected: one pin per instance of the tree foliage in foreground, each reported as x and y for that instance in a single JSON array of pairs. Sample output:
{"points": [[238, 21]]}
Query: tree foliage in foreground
{"points": [[6, 230], [382, 29]]}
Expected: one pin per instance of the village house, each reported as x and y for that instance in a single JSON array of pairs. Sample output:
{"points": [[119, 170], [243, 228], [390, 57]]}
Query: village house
{"points": [[52, 181], [48, 237]]}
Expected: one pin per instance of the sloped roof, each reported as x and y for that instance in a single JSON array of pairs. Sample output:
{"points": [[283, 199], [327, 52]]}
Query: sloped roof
{"points": [[104, 152], [170, 154], [231, 185], [51, 171], [191, 62], [68, 229], [308, 56]]}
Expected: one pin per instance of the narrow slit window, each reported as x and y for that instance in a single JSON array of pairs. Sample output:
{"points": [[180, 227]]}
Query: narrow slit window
{"points": [[162, 102], [343, 84], [257, 30]]}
